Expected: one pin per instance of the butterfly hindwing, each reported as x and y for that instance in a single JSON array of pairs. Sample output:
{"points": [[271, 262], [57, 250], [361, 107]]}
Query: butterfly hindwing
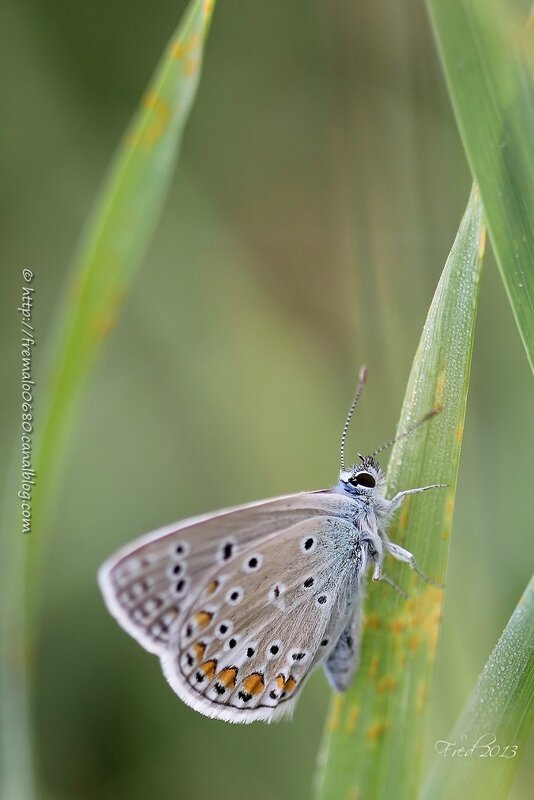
{"points": [[256, 629], [243, 569]]}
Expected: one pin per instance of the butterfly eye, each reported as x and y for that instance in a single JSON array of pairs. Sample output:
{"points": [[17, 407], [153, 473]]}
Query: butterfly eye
{"points": [[363, 479]]}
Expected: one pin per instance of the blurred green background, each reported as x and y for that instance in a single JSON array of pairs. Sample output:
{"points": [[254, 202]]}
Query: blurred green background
{"points": [[319, 189]]}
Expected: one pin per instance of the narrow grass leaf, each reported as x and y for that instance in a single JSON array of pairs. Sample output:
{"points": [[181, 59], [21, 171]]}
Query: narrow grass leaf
{"points": [[488, 58], [375, 734], [496, 720], [116, 239]]}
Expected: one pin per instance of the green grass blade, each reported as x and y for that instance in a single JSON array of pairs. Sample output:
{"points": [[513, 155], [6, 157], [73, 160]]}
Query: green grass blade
{"points": [[373, 743], [488, 57], [501, 707], [116, 239]]}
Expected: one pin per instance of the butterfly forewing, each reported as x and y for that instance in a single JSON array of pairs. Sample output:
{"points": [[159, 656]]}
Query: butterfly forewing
{"points": [[242, 604]]}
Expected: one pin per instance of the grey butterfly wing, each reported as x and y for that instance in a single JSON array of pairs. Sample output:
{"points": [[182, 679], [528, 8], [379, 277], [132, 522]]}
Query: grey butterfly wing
{"points": [[146, 584], [342, 662], [255, 630]]}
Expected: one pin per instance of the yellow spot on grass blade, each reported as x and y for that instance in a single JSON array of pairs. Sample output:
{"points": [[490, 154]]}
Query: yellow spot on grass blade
{"points": [[352, 719], [103, 323], [335, 711], [180, 49], [420, 699], [373, 667], [482, 243], [375, 731], [433, 603], [386, 684], [177, 50], [403, 518], [440, 388], [191, 65], [160, 118], [372, 622], [449, 508]]}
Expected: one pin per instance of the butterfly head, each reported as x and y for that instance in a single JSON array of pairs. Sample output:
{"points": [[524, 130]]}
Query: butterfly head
{"points": [[367, 477], [362, 479]]}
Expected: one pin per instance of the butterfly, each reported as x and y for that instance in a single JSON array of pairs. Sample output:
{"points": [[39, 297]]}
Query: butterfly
{"points": [[242, 604]]}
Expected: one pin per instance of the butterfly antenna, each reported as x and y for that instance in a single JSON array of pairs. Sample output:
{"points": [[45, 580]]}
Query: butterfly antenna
{"points": [[361, 383], [429, 414]]}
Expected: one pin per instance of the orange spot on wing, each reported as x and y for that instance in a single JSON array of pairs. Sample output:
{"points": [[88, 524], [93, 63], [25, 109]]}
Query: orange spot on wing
{"points": [[253, 683], [280, 681], [290, 684], [212, 586], [198, 649], [208, 668], [227, 677], [203, 618]]}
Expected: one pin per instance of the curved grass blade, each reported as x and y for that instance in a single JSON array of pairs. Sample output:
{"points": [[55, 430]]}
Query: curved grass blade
{"points": [[373, 742], [488, 60], [498, 716], [115, 241]]}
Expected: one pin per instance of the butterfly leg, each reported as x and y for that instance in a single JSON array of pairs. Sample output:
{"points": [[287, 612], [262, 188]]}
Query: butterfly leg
{"points": [[396, 500], [376, 556], [342, 663], [401, 554]]}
